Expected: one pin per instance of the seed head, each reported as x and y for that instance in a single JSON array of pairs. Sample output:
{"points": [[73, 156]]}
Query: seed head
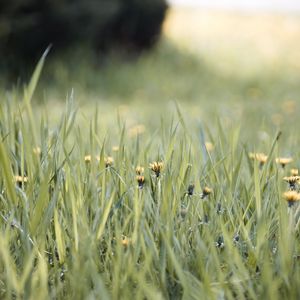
{"points": [[190, 190], [156, 167], [236, 238], [220, 242]]}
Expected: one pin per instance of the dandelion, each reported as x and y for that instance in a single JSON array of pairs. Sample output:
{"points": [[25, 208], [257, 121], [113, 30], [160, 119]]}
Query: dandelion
{"points": [[108, 161], [292, 181], [291, 197], [139, 170], [125, 241], [115, 148], [205, 192], [141, 180], [294, 172], [190, 190], [156, 167], [88, 158], [260, 157], [20, 179], [283, 161]]}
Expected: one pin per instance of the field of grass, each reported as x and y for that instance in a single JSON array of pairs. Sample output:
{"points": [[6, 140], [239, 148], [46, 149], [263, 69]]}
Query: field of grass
{"points": [[139, 179]]}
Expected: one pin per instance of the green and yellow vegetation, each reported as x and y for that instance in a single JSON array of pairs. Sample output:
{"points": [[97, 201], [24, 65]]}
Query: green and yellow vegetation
{"points": [[177, 181]]}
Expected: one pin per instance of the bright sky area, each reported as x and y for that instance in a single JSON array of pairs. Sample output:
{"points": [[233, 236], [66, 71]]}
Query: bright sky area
{"points": [[256, 5]]}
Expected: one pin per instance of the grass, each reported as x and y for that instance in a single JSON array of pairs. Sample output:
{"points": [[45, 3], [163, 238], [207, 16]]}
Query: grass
{"points": [[77, 227]]}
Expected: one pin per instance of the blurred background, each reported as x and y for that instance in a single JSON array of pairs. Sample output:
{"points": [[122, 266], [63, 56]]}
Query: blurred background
{"points": [[230, 56], [255, 5]]}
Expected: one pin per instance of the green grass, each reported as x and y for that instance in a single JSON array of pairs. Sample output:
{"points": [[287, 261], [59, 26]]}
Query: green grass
{"points": [[62, 231], [84, 230]]}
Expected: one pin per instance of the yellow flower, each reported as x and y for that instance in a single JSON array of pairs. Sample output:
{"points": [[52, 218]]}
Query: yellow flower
{"points": [[156, 167], [260, 157], [141, 180], [20, 179], [108, 161], [292, 180], [139, 170], [291, 197], [283, 161], [294, 172], [205, 192], [115, 148], [125, 241], [88, 158]]}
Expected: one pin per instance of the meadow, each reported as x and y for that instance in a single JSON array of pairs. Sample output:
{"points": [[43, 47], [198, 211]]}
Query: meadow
{"points": [[173, 175]]}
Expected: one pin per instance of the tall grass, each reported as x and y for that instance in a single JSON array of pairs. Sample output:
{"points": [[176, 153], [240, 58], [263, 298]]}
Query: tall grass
{"points": [[83, 228]]}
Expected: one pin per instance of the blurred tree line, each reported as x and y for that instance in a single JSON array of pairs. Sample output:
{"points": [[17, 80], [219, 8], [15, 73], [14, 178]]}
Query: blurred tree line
{"points": [[27, 27]]}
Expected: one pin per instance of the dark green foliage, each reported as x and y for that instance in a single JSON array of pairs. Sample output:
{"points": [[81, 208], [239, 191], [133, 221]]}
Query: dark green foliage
{"points": [[28, 27]]}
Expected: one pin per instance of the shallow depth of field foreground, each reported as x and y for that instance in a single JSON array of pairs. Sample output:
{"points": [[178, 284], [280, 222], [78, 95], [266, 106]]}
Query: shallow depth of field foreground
{"points": [[174, 176]]}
